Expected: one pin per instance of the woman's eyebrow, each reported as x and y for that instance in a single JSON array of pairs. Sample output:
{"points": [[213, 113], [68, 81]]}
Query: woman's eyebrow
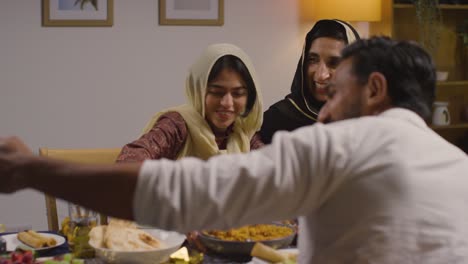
{"points": [[219, 86], [335, 58]]}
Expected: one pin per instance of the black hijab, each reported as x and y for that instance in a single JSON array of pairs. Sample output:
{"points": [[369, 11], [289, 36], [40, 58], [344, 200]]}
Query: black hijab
{"points": [[300, 108]]}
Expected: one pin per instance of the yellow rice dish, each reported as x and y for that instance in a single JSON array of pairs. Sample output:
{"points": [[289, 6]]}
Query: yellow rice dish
{"points": [[259, 232]]}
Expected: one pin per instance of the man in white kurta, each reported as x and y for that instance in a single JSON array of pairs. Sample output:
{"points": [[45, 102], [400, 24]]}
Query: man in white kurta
{"points": [[383, 189], [379, 186]]}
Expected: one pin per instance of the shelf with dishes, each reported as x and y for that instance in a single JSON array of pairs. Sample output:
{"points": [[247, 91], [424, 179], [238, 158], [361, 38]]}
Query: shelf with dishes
{"points": [[441, 6], [460, 126], [451, 54], [460, 83], [456, 134], [399, 21]]}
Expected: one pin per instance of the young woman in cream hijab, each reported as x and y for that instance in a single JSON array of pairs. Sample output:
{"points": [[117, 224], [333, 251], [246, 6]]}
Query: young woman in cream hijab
{"points": [[222, 115]]}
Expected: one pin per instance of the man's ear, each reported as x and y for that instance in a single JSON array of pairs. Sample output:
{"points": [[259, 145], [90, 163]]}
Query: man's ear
{"points": [[377, 96]]}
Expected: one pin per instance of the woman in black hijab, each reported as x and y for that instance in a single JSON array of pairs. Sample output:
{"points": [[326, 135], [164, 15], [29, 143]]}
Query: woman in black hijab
{"points": [[320, 56]]}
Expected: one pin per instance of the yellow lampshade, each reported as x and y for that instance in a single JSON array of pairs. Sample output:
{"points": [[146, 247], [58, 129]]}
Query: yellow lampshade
{"points": [[347, 10]]}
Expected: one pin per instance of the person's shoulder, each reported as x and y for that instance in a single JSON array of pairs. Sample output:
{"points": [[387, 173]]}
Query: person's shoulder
{"points": [[171, 120], [174, 115], [364, 123], [279, 105], [285, 109], [346, 128], [277, 112], [375, 128]]}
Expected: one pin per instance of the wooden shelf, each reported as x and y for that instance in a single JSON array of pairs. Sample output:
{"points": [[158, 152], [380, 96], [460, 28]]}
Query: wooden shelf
{"points": [[455, 134], [453, 83], [443, 6], [450, 56], [456, 126]]}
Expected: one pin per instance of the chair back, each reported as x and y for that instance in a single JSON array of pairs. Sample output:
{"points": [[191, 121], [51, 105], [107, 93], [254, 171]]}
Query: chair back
{"points": [[85, 156]]}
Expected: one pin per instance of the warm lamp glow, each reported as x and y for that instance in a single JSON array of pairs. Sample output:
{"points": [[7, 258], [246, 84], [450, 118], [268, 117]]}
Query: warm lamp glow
{"points": [[348, 10]]}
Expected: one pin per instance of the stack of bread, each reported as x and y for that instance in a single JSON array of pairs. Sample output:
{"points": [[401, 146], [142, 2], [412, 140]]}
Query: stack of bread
{"points": [[122, 235]]}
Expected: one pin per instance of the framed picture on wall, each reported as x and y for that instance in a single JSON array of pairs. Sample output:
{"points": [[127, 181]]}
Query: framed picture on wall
{"points": [[191, 13], [79, 13]]}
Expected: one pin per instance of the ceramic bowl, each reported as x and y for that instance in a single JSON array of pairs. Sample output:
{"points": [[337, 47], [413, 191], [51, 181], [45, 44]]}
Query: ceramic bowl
{"points": [[442, 76], [171, 242]]}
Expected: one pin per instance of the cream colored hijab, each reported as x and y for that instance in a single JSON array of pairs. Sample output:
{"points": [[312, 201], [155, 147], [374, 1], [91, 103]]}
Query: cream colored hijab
{"points": [[201, 139]]}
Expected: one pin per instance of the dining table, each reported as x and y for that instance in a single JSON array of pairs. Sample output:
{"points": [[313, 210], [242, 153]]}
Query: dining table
{"points": [[208, 257]]}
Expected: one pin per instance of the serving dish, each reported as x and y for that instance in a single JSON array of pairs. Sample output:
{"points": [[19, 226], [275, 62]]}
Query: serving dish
{"points": [[243, 248], [171, 242]]}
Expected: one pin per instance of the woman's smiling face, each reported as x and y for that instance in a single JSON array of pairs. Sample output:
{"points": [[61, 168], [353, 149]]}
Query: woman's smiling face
{"points": [[322, 59], [225, 99]]}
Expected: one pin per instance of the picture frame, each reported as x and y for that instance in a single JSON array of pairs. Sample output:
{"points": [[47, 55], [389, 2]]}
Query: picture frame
{"points": [[77, 13], [191, 13]]}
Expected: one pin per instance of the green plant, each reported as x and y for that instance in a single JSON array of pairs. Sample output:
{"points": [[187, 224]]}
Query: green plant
{"points": [[462, 31], [429, 19]]}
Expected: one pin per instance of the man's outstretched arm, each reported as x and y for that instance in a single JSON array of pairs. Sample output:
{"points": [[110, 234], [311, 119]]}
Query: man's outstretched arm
{"points": [[108, 188]]}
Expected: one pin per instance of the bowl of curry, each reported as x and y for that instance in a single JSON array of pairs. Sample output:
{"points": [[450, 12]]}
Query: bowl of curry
{"points": [[240, 241]]}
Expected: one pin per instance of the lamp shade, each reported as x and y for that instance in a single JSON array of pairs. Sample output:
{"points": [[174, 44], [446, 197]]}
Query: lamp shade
{"points": [[348, 10]]}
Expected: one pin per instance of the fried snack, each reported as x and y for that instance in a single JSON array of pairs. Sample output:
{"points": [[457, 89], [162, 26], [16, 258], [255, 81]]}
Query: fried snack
{"points": [[50, 241], [36, 240], [267, 253], [271, 255]]}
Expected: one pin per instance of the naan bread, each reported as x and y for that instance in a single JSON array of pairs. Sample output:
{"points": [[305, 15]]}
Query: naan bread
{"points": [[123, 236], [127, 239], [96, 236], [122, 223]]}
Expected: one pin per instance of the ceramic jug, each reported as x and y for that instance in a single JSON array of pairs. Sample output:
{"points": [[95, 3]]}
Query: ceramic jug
{"points": [[441, 115]]}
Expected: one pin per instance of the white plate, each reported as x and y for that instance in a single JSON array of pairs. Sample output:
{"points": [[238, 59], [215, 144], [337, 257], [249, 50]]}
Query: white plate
{"points": [[286, 251], [12, 241]]}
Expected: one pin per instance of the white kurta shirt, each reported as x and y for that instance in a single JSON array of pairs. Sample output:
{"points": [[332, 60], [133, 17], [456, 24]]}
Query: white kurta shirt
{"points": [[379, 189]]}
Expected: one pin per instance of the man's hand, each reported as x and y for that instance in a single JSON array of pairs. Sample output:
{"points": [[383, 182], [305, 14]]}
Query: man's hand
{"points": [[12, 145], [12, 154]]}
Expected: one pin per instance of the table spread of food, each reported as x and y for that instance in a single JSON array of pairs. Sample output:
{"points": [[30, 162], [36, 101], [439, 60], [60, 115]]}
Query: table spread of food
{"points": [[123, 242]]}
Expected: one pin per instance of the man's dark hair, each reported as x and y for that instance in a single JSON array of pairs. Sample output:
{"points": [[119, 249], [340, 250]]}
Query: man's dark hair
{"points": [[234, 63], [408, 69]]}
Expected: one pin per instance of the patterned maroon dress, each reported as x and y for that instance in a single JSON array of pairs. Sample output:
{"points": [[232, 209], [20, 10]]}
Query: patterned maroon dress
{"points": [[167, 138]]}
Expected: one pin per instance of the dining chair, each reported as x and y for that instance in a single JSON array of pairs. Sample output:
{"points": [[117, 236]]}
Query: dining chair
{"points": [[86, 156]]}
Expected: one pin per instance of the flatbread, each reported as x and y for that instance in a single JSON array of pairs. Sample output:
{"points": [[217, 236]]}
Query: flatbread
{"points": [[96, 235], [123, 236]]}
